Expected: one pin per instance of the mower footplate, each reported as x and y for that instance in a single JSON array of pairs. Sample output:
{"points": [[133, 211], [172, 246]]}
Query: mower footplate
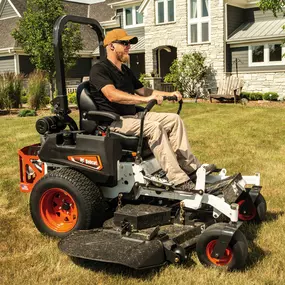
{"points": [[109, 246]]}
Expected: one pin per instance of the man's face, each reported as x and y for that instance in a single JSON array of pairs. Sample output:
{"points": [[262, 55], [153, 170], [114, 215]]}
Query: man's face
{"points": [[121, 49]]}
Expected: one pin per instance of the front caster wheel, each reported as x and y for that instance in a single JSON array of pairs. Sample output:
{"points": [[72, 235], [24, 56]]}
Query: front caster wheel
{"points": [[249, 211], [235, 254]]}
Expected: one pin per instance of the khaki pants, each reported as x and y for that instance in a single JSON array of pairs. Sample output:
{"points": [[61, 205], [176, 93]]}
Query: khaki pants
{"points": [[167, 139]]}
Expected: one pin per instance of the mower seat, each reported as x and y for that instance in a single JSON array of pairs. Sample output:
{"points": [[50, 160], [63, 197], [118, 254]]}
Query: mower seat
{"points": [[86, 104]]}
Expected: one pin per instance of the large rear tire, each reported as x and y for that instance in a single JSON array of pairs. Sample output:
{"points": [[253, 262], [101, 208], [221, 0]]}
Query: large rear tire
{"points": [[235, 254], [64, 201]]}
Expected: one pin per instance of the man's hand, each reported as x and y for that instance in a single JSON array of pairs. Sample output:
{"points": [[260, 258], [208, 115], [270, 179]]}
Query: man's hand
{"points": [[157, 97], [177, 94]]}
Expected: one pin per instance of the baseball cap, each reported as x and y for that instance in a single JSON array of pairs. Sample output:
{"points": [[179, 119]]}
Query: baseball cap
{"points": [[119, 35]]}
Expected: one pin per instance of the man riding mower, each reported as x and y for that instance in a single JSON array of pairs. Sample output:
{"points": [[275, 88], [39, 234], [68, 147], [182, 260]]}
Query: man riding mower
{"points": [[77, 176]]}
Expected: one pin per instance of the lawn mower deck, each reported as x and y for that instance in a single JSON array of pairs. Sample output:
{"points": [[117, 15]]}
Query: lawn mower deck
{"points": [[142, 236]]}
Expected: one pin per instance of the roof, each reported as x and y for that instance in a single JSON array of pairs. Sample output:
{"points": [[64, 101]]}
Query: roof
{"points": [[20, 5], [102, 11], [254, 31], [138, 47], [6, 27]]}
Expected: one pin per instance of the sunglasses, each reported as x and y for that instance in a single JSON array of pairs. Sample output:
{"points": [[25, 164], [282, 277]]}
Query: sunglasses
{"points": [[124, 43]]}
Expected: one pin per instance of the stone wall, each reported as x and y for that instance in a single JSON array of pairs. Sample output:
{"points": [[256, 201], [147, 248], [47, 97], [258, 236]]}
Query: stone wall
{"points": [[264, 82], [176, 35]]}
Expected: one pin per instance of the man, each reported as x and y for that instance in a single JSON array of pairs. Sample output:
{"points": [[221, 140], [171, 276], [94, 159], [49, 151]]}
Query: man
{"points": [[115, 89]]}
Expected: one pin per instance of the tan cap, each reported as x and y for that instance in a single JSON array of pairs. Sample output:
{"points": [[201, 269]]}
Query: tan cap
{"points": [[119, 35]]}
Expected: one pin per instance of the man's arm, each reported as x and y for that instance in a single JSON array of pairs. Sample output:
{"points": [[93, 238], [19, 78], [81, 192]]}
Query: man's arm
{"points": [[121, 97], [144, 91]]}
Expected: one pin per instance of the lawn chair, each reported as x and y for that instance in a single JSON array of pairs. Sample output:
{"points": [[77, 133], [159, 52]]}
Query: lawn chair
{"points": [[228, 88]]}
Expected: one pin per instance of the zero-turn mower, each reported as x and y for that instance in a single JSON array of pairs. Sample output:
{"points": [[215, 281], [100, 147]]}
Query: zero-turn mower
{"points": [[105, 195]]}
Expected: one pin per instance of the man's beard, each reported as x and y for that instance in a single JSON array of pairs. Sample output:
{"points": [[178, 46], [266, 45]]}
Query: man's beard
{"points": [[122, 57]]}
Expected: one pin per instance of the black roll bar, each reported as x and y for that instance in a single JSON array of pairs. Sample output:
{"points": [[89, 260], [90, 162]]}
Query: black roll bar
{"points": [[60, 103]]}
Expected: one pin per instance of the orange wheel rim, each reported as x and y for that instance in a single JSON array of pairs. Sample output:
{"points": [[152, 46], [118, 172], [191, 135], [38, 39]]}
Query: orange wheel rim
{"points": [[224, 260], [248, 216], [58, 210]]}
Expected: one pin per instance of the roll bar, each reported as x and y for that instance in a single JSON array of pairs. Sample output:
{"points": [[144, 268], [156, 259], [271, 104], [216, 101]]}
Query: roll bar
{"points": [[60, 103]]}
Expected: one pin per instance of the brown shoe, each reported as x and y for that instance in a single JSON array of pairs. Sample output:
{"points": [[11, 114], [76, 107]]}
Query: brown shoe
{"points": [[187, 186]]}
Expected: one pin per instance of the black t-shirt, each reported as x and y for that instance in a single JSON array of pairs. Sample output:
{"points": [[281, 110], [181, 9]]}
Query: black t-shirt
{"points": [[104, 73]]}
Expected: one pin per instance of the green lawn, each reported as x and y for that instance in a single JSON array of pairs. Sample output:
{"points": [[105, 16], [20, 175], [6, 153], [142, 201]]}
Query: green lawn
{"points": [[238, 138]]}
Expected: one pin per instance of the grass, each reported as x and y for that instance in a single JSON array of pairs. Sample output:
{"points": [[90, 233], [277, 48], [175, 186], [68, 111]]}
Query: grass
{"points": [[240, 139]]}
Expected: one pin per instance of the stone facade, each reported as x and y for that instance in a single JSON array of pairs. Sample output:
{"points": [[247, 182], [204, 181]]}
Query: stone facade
{"points": [[264, 82], [176, 35]]}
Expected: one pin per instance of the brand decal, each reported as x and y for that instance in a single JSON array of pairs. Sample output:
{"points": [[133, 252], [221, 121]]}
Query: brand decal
{"points": [[91, 161]]}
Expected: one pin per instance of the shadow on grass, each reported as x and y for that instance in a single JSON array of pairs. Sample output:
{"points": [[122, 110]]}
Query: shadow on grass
{"points": [[117, 269], [256, 253]]}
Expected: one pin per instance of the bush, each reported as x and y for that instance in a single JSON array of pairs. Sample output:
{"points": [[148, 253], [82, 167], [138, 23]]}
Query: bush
{"points": [[255, 96], [24, 100], [27, 113], [143, 80], [271, 96], [245, 95], [11, 90], [72, 98], [188, 74], [37, 93]]}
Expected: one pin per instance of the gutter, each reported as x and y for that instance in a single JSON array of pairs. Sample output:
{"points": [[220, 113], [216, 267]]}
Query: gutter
{"points": [[272, 38]]}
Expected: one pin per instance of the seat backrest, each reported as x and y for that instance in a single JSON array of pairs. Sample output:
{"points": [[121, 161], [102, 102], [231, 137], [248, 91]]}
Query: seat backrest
{"points": [[85, 104]]}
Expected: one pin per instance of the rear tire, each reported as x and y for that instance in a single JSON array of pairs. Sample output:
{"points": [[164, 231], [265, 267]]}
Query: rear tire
{"points": [[64, 201], [235, 255]]}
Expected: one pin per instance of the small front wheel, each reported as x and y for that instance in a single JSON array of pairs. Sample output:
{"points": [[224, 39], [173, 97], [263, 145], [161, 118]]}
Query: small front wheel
{"points": [[254, 212], [235, 254]]}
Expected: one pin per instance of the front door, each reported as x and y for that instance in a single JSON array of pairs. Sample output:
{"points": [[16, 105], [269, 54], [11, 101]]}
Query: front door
{"points": [[166, 55]]}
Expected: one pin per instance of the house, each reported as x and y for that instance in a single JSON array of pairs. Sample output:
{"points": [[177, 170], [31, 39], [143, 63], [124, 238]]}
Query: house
{"points": [[13, 58], [234, 35]]}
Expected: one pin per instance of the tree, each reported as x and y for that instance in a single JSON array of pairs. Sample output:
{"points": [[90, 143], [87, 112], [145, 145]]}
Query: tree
{"points": [[188, 74], [274, 5], [35, 35]]}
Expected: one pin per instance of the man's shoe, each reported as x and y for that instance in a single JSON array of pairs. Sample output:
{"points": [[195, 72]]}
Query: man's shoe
{"points": [[187, 186], [209, 169]]}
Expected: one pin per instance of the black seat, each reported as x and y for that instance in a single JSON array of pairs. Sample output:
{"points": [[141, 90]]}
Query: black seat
{"points": [[90, 126]]}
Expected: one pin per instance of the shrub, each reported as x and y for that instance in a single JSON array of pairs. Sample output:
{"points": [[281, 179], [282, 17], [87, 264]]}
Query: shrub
{"points": [[255, 96], [143, 80], [245, 95], [11, 90], [37, 92], [27, 113], [271, 96], [72, 98], [188, 74], [24, 100]]}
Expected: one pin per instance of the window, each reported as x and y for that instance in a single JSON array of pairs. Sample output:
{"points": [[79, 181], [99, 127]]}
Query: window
{"points": [[268, 54], [165, 11], [132, 17], [199, 19]]}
